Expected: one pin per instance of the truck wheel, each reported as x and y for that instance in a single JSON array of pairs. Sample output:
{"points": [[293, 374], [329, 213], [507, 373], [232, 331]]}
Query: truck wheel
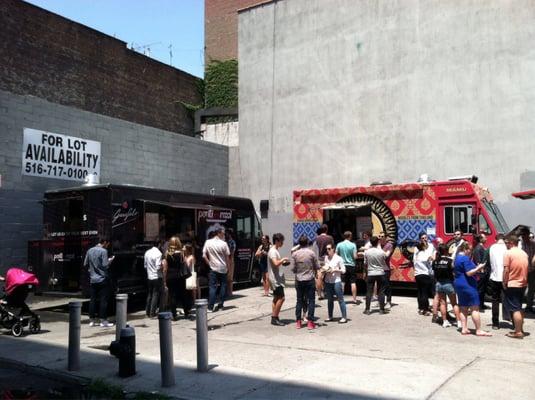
{"points": [[256, 276], [17, 329]]}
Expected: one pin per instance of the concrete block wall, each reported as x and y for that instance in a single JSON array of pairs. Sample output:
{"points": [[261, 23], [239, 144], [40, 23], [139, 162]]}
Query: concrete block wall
{"points": [[343, 93], [130, 154], [51, 57]]}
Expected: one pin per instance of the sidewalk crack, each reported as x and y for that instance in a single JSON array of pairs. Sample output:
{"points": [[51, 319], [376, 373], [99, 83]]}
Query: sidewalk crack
{"points": [[465, 366]]}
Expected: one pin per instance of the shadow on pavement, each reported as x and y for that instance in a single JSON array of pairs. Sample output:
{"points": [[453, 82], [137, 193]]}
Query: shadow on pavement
{"points": [[48, 361]]}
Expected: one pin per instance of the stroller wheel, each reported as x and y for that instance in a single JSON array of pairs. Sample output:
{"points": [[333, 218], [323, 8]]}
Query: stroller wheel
{"points": [[35, 326], [17, 329]]}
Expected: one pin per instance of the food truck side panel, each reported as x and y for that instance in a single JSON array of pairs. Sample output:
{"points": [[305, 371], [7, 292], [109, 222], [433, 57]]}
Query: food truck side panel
{"points": [[402, 211]]}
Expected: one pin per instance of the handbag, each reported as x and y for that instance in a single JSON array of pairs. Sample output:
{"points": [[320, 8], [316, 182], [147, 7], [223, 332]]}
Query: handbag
{"points": [[191, 282]]}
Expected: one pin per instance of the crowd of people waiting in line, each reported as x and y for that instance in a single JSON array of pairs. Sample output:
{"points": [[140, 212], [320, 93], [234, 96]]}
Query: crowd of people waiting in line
{"points": [[462, 273], [172, 278]]}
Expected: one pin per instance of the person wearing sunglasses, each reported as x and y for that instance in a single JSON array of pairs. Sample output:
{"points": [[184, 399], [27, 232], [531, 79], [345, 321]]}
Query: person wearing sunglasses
{"points": [[334, 268]]}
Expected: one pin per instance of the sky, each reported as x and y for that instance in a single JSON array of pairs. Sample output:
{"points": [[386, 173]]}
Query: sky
{"points": [[151, 26]]}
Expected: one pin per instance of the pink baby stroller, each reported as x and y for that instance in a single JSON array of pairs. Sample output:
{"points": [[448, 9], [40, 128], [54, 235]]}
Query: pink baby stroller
{"points": [[14, 312]]}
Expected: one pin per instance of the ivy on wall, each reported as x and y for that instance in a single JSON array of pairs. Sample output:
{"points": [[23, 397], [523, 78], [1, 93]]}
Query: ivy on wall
{"points": [[221, 84]]}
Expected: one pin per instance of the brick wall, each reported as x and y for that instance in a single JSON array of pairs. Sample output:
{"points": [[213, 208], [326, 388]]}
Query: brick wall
{"points": [[221, 28], [48, 56], [130, 154]]}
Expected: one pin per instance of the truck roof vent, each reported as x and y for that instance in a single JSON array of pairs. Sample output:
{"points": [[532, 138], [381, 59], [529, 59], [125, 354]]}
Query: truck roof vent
{"points": [[471, 178], [424, 178], [380, 183]]}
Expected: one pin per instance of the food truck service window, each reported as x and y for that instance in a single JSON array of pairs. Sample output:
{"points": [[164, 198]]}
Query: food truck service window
{"points": [[457, 217]]}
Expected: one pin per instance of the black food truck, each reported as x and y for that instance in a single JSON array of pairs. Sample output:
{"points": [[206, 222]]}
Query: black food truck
{"points": [[134, 218]]}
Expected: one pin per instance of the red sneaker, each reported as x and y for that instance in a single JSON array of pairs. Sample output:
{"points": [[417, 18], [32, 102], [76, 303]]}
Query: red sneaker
{"points": [[311, 325], [298, 324]]}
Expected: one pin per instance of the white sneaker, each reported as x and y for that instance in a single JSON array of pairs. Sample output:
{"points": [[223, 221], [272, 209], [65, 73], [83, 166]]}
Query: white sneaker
{"points": [[106, 324], [446, 324], [342, 321], [388, 306], [93, 323]]}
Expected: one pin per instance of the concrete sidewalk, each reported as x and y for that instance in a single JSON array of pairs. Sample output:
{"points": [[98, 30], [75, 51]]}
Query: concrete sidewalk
{"points": [[396, 356]]}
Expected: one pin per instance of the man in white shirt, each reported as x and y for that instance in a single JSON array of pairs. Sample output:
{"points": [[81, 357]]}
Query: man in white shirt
{"points": [[153, 265], [216, 254], [457, 241], [496, 253]]}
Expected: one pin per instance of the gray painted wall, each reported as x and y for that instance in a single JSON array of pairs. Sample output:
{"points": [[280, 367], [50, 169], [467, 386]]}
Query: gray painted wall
{"points": [[130, 154], [343, 92]]}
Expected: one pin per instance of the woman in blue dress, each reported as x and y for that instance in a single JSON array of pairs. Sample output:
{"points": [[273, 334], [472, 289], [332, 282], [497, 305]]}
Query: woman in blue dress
{"points": [[466, 289]]}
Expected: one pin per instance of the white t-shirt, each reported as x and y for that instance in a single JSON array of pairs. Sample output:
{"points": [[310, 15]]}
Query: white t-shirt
{"points": [[153, 263], [422, 265], [337, 267], [217, 251], [496, 253]]}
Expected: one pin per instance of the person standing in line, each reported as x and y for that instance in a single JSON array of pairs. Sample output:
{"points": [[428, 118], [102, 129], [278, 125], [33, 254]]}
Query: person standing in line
{"points": [[232, 248], [216, 254], [375, 261], [152, 261], [347, 250], [276, 277], [335, 267], [480, 256], [98, 263], [305, 267], [528, 245], [466, 289], [175, 272], [496, 257], [457, 241], [422, 259], [191, 262], [261, 255], [388, 247], [322, 240], [443, 268], [515, 281]]}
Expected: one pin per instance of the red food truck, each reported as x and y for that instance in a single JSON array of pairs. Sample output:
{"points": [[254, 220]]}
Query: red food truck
{"points": [[402, 211]]}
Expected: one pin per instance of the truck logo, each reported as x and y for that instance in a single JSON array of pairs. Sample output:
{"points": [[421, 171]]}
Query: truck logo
{"points": [[121, 216]]}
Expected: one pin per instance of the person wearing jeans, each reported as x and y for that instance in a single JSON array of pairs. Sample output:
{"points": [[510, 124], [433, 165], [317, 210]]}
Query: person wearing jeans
{"points": [[375, 261], [334, 268], [97, 262], [305, 266], [216, 254]]}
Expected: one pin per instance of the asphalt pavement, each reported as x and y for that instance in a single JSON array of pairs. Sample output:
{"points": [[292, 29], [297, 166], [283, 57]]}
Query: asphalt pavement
{"points": [[401, 355]]}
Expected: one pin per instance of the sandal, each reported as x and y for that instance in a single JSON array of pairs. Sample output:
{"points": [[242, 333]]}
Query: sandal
{"points": [[466, 333], [513, 335], [484, 334]]}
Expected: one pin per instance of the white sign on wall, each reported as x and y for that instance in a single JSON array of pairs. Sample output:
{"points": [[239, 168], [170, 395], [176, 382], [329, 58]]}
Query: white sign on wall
{"points": [[52, 155]]}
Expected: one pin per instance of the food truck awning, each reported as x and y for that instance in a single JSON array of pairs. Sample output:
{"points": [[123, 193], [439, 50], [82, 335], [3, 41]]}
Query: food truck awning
{"points": [[183, 205], [528, 194]]}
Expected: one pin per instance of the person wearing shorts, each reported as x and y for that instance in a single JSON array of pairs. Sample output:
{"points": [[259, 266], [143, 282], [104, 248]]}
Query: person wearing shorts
{"points": [[348, 251], [515, 281], [443, 269], [276, 277]]}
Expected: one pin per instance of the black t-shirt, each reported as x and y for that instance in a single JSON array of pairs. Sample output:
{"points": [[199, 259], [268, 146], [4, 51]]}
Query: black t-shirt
{"points": [[443, 267]]}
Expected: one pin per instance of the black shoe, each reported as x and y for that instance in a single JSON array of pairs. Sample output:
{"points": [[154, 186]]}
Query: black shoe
{"points": [[367, 312], [276, 322], [495, 327], [383, 311]]}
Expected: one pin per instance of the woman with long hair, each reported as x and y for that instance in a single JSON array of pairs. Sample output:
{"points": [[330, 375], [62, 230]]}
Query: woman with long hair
{"points": [[190, 263], [261, 254], [443, 268], [466, 289], [175, 273]]}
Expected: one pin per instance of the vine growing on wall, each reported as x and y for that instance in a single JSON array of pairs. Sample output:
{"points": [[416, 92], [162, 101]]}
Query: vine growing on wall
{"points": [[221, 84]]}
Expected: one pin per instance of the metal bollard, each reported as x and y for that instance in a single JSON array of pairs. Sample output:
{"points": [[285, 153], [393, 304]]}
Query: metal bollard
{"points": [[202, 334], [166, 349], [121, 302], [75, 312]]}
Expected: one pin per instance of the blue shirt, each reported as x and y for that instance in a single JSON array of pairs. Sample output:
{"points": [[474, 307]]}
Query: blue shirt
{"points": [[96, 259], [463, 264], [346, 250]]}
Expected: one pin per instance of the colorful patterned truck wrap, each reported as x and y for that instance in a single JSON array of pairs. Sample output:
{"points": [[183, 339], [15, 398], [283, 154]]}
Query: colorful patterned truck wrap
{"points": [[403, 211]]}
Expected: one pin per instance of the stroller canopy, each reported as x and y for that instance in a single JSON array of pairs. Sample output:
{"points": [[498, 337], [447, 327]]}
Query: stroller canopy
{"points": [[16, 277]]}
